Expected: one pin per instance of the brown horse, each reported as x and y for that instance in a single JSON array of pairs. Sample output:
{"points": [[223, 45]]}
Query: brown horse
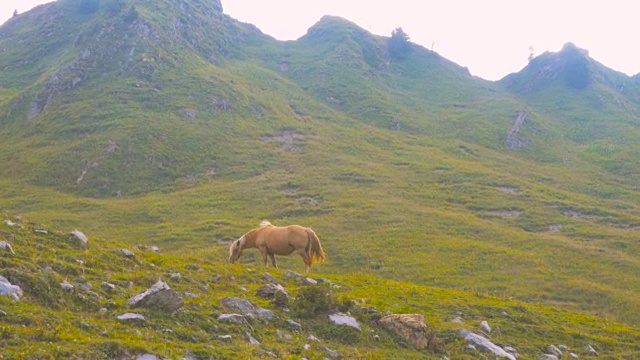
{"points": [[276, 240]]}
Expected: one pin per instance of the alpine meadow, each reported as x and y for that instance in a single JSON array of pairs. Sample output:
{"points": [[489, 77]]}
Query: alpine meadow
{"points": [[461, 218]]}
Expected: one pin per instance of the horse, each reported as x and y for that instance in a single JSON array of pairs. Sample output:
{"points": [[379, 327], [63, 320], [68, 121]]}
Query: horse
{"points": [[280, 240]]}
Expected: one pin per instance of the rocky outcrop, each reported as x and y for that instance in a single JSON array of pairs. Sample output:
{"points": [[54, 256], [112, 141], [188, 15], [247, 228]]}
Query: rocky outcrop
{"points": [[515, 138], [269, 291], [411, 327], [159, 296]]}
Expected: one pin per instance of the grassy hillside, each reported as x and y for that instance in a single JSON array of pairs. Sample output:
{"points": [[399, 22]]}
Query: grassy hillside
{"points": [[171, 123], [50, 322]]}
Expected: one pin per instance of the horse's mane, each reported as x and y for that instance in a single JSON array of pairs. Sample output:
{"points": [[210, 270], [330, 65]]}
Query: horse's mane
{"points": [[265, 223]]}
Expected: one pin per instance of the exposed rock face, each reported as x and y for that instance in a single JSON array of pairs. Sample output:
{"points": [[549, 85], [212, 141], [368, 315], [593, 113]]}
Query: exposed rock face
{"points": [[159, 296], [411, 327], [247, 308], [342, 319], [515, 139], [483, 344], [8, 289]]}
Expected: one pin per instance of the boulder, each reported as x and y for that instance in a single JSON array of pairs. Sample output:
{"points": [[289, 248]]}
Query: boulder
{"points": [[247, 308], [8, 289], [483, 344], [267, 277], [343, 319], [411, 327], [159, 296]]}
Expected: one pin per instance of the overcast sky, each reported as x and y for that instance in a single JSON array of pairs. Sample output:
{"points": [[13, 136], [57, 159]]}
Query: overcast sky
{"points": [[490, 37]]}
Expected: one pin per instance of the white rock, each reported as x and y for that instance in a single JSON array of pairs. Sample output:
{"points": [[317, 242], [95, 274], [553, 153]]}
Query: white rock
{"points": [[484, 344], [8, 289], [485, 326], [130, 316], [80, 236], [342, 319]]}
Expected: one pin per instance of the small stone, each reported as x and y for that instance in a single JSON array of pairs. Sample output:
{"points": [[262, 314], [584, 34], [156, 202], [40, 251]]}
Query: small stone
{"points": [[79, 235], [126, 253], [131, 316], [331, 353], [343, 319], [590, 350], [269, 278], [251, 339], [485, 326], [234, 318], [225, 337], [457, 320], [284, 335], [313, 339], [175, 276], [102, 310], [6, 246], [66, 286], [108, 286], [191, 295], [292, 325]]}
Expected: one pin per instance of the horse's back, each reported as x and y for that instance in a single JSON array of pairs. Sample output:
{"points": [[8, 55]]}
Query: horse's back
{"points": [[284, 239]]}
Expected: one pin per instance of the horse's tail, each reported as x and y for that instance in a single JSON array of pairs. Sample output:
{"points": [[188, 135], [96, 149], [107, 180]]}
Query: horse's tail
{"points": [[315, 248]]}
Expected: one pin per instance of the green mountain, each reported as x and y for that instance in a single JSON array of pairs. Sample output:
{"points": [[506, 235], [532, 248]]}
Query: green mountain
{"points": [[170, 123]]}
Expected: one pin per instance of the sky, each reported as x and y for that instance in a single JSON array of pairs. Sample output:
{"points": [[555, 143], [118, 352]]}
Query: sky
{"points": [[490, 37]]}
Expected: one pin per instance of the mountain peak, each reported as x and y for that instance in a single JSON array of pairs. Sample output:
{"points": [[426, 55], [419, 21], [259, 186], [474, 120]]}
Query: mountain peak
{"points": [[571, 64]]}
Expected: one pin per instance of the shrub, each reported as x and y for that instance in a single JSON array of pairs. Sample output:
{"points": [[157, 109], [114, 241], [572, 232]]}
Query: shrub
{"points": [[313, 300]]}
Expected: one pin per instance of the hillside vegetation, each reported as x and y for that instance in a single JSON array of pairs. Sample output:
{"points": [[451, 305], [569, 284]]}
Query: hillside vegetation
{"points": [[170, 123]]}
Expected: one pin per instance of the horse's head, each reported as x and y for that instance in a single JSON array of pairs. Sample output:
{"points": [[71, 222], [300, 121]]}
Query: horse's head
{"points": [[235, 250]]}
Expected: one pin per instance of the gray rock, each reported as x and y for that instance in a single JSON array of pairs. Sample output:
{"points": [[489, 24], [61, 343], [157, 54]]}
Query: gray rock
{"points": [[553, 350], [457, 320], [83, 241], [251, 339], [191, 295], [343, 319], [10, 290], [159, 296], [331, 353], [563, 347], [485, 326], [483, 344], [590, 350], [175, 276], [9, 223], [6, 246], [292, 325], [313, 339], [234, 318], [131, 316], [108, 286], [300, 278], [547, 357], [3, 313], [126, 253], [148, 357], [573, 356], [269, 291], [247, 307], [511, 351], [66, 286], [269, 278], [283, 335]]}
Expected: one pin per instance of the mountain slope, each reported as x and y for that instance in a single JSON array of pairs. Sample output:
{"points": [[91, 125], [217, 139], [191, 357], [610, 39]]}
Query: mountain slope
{"points": [[170, 121]]}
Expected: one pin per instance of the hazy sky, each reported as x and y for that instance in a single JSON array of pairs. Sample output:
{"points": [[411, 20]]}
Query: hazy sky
{"points": [[490, 37]]}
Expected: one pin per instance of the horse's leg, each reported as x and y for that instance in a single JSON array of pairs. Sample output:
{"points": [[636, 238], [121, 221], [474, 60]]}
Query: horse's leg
{"points": [[263, 251], [273, 260], [306, 258]]}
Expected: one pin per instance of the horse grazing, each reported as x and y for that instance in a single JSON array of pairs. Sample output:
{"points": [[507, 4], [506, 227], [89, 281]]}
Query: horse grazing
{"points": [[280, 240]]}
